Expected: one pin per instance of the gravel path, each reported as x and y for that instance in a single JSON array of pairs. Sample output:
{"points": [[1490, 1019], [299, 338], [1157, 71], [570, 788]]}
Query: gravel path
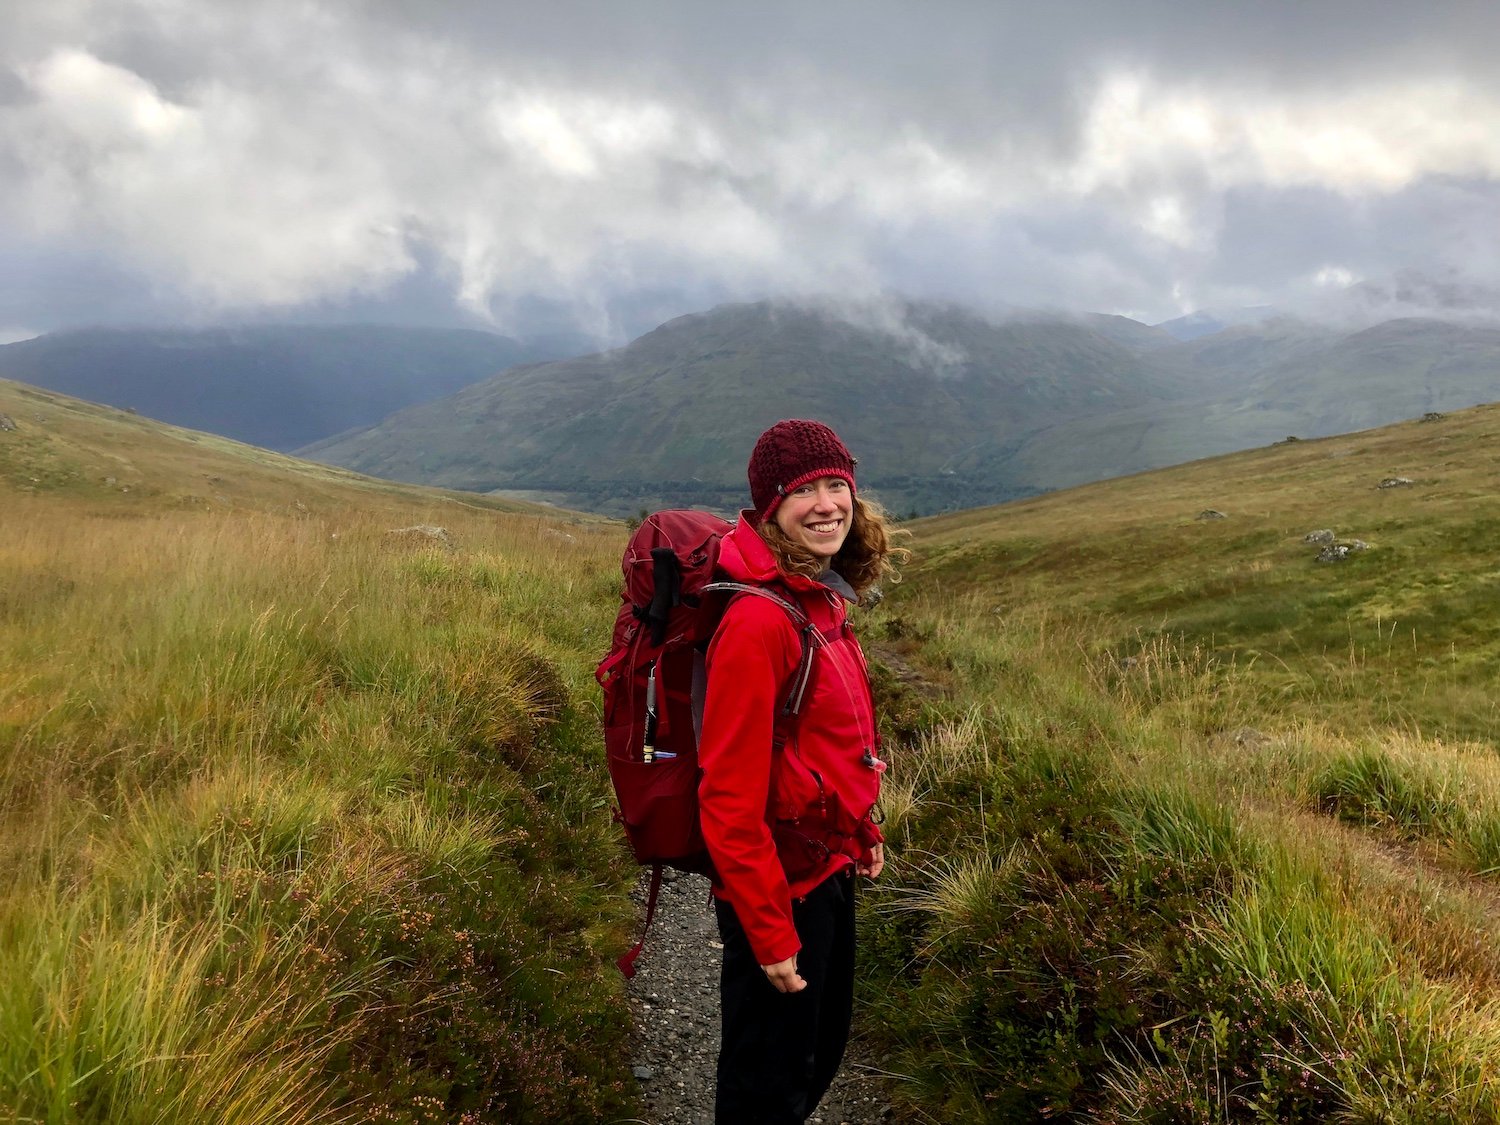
{"points": [[674, 1000]]}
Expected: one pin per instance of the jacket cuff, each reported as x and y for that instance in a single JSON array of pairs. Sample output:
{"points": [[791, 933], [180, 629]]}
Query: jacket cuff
{"points": [[779, 950]]}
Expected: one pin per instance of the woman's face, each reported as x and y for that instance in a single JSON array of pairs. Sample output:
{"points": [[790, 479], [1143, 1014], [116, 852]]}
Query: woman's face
{"points": [[818, 515]]}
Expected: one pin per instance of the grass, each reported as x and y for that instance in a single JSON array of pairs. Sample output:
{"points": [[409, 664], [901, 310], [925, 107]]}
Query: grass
{"points": [[1232, 811], [303, 821], [1099, 912], [1398, 634], [299, 820]]}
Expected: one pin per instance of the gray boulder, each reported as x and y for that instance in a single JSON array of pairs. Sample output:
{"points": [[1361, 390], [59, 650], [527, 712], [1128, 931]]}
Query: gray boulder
{"points": [[424, 532]]}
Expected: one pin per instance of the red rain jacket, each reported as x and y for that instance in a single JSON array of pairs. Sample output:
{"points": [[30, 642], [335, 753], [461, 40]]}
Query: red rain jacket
{"points": [[829, 762]]}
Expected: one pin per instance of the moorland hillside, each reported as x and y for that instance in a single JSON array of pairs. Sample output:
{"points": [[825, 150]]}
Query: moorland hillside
{"points": [[299, 816]]}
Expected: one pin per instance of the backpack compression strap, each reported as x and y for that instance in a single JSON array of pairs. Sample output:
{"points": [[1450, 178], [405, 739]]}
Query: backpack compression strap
{"points": [[626, 963]]}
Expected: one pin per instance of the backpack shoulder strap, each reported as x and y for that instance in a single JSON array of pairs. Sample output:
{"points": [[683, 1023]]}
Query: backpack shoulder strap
{"points": [[807, 633]]}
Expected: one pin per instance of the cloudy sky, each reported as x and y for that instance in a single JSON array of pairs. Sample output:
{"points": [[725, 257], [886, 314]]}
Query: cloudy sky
{"points": [[604, 166]]}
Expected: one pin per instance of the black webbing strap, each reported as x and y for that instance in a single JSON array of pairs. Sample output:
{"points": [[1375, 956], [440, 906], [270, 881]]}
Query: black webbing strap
{"points": [[666, 582]]}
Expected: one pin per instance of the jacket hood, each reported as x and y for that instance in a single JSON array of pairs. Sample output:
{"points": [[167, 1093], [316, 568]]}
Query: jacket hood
{"points": [[744, 557]]}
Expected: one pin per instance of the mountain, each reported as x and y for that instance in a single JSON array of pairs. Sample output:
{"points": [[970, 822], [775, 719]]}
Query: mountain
{"points": [[1205, 322], [926, 395], [279, 387], [946, 408], [1264, 383]]}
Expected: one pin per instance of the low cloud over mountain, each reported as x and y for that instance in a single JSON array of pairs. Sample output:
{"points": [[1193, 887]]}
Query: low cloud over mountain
{"points": [[603, 167]]}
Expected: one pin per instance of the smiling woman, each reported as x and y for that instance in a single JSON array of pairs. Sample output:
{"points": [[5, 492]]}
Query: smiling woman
{"points": [[787, 804]]}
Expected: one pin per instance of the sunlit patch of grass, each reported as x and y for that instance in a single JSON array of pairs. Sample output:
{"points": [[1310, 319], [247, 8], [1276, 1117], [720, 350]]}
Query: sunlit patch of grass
{"points": [[141, 1021], [963, 895]]}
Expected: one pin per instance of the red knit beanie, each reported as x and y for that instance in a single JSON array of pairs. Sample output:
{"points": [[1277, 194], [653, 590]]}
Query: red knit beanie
{"points": [[789, 455]]}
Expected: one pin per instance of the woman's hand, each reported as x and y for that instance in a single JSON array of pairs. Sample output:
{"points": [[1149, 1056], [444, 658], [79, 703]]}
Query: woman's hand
{"points": [[783, 975], [876, 864]]}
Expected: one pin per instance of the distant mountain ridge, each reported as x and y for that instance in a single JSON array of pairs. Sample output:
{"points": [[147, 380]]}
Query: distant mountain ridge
{"points": [[277, 386], [923, 399], [945, 408]]}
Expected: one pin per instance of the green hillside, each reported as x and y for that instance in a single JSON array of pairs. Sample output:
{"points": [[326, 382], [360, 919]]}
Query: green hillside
{"points": [[1208, 829], [277, 386], [946, 409], [667, 418], [1425, 596], [300, 819]]}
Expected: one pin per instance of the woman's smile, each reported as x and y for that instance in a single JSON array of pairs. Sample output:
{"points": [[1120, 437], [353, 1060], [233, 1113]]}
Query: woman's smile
{"points": [[817, 515]]}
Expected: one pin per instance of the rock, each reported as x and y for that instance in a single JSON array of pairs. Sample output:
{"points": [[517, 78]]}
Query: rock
{"points": [[1357, 545], [644, 1073], [1334, 552], [553, 533], [1249, 736], [1322, 535], [425, 531], [1211, 514], [1433, 416], [7, 424], [1396, 482]]}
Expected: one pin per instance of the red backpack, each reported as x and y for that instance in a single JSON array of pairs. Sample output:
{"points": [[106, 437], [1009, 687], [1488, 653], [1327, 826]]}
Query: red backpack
{"points": [[653, 679]]}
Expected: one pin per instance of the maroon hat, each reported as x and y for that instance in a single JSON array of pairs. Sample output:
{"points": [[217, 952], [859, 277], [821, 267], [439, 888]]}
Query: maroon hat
{"points": [[789, 455]]}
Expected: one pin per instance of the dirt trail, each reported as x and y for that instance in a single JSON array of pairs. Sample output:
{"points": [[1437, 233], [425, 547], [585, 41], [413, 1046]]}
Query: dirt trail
{"points": [[674, 1000]]}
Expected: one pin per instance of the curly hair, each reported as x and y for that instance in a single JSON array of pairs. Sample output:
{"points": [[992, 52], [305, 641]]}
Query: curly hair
{"points": [[868, 555]]}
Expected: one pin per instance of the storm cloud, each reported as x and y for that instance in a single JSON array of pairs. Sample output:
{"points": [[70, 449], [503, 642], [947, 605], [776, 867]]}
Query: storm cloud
{"points": [[606, 166]]}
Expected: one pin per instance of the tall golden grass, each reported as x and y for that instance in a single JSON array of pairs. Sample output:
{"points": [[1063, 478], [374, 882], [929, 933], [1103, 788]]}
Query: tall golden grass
{"points": [[297, 821]]}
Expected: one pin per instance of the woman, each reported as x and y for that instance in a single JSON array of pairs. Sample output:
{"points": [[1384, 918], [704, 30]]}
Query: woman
{"points": [[787, 807]]}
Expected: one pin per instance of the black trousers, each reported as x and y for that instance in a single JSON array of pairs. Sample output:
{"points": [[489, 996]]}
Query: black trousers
{"points": [[780, 1050]]}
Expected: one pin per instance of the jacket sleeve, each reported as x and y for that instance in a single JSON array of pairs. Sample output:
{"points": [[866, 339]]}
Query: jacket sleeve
{"points": [[753, 654]]}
